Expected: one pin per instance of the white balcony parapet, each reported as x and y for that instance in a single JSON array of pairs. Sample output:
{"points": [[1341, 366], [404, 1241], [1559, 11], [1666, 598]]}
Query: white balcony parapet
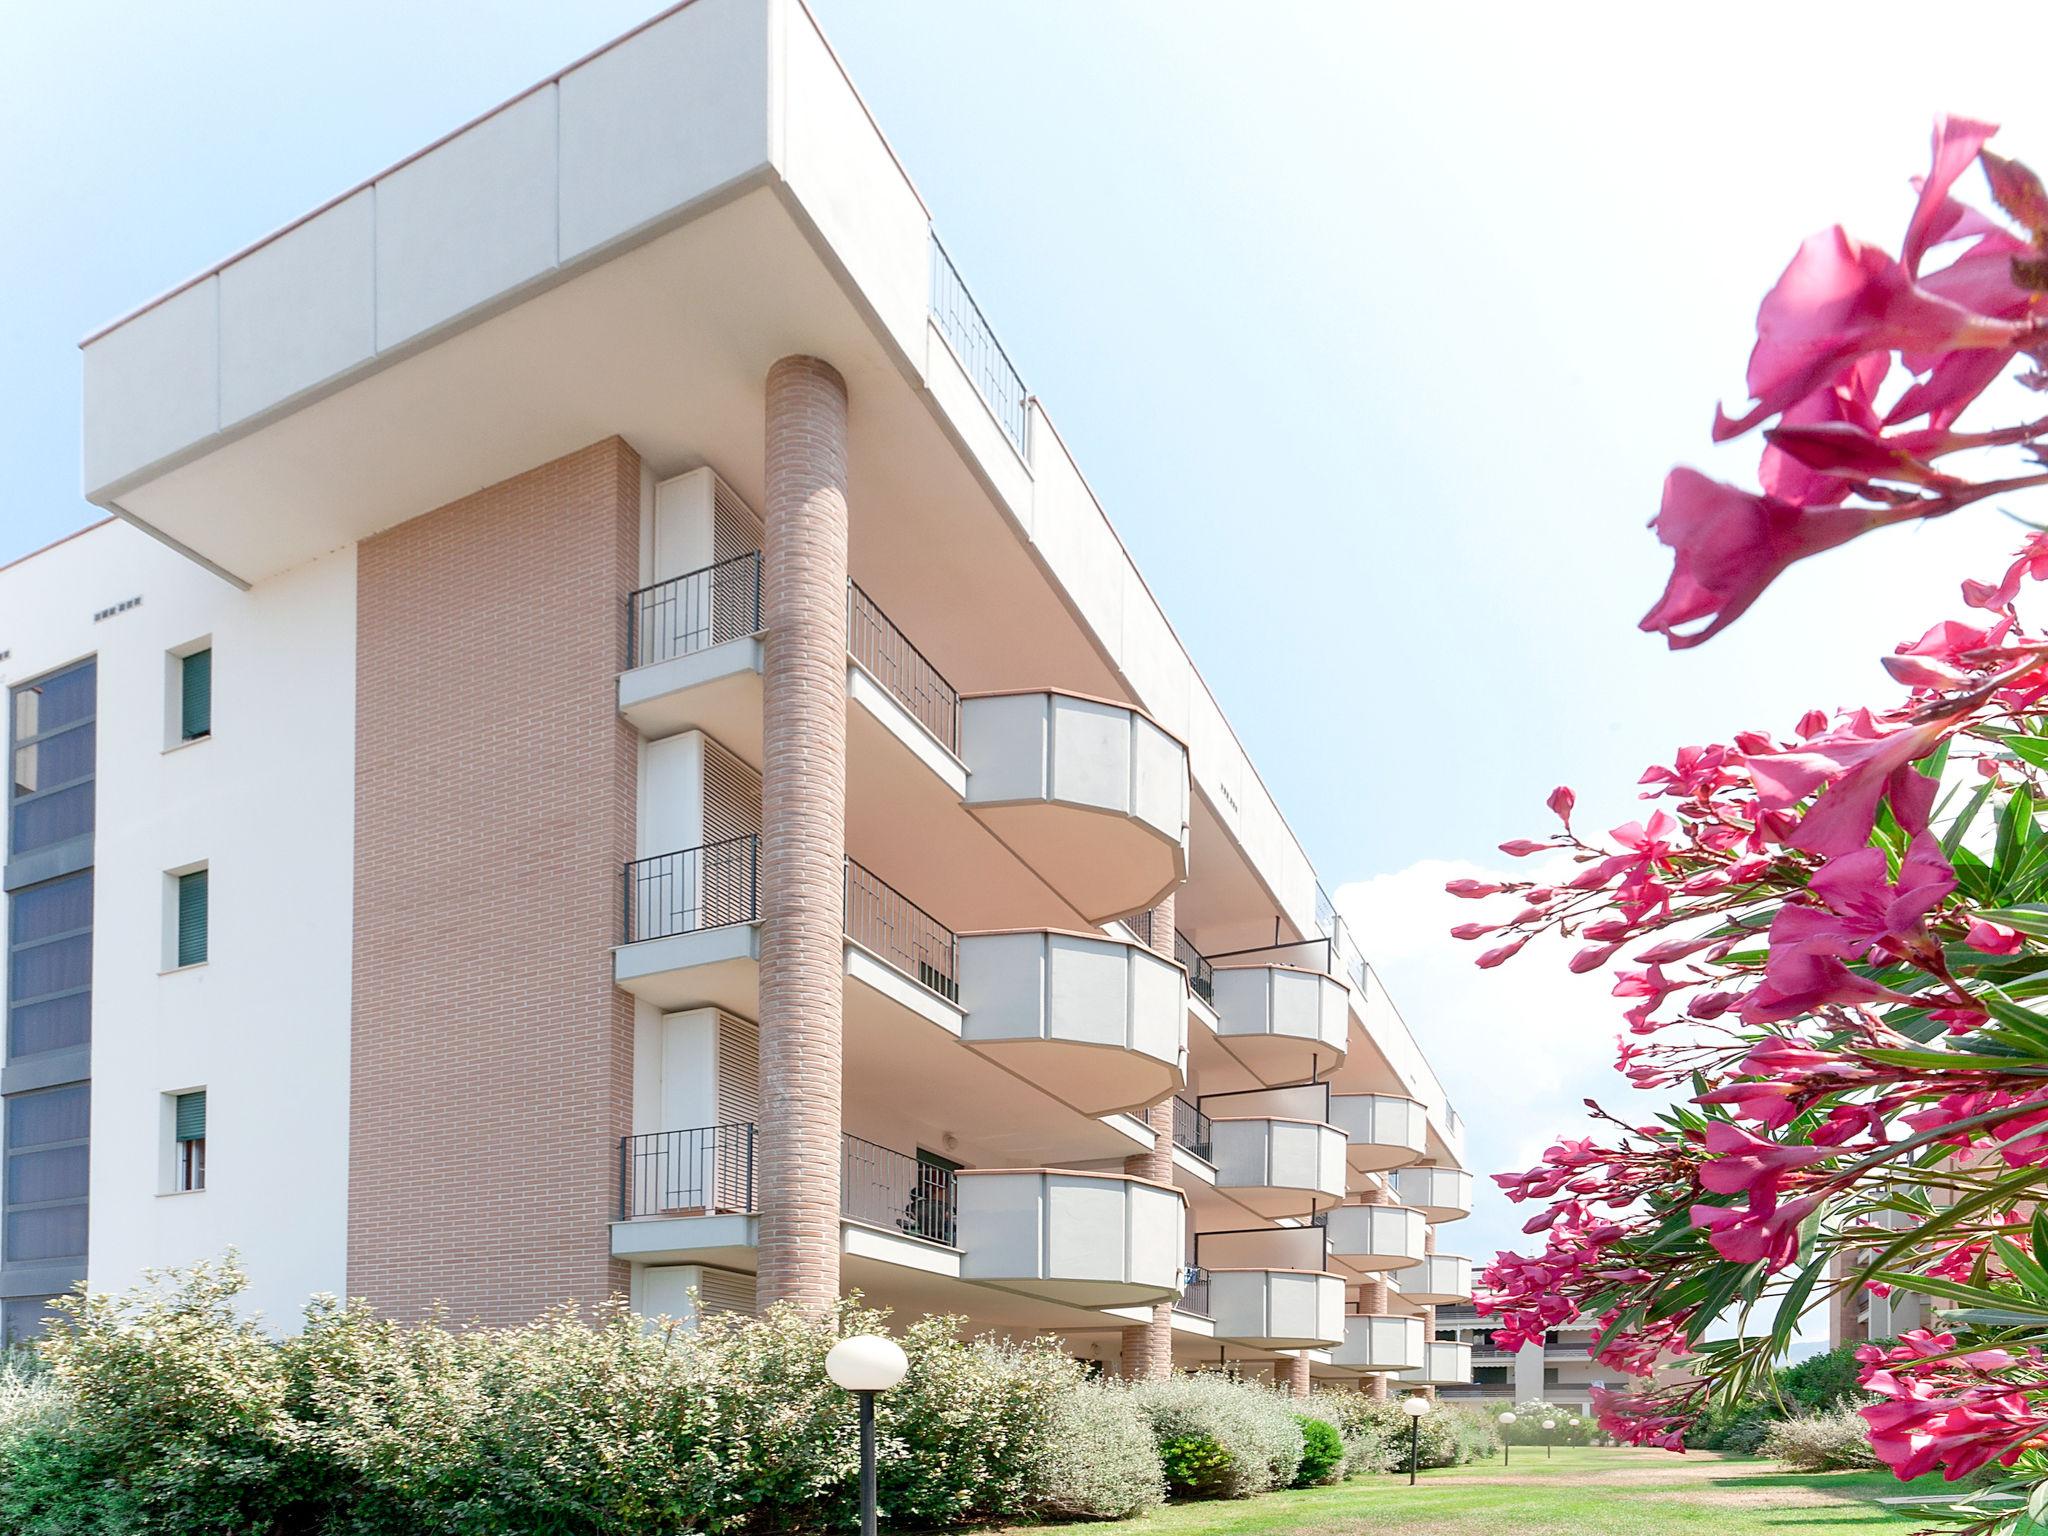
{"points": [[1441, 1280], [1380, 1343], [1376, 1238], [1086, 1239], [1285, 1024], [1277, 1308], [1384, 1130], [1099, 1023], [1091, 794], [1443, 1365], [1265, 1159], [1441, 1194]]}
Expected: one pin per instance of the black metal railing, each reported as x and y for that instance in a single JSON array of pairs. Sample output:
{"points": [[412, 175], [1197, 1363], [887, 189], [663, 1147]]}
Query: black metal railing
{"points": [[1191, 1130], [693, 888], [1140, 924], [974, 342], [1201, 974], [883, 919], [884, 1188], [1194, 1296], [886, 652], [704, 1172], [694, 611]]}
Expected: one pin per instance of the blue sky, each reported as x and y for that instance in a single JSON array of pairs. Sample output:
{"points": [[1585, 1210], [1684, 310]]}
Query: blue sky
{"points": [[1375, 328]]}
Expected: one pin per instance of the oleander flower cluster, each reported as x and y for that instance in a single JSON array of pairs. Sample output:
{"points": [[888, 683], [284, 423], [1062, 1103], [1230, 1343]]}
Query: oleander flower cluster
{"points": [[1829, 943]]}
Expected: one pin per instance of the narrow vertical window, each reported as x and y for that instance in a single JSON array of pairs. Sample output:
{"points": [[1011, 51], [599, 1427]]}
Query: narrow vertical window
{"points": [[192, 918], [195, 695], [190, 1120]]}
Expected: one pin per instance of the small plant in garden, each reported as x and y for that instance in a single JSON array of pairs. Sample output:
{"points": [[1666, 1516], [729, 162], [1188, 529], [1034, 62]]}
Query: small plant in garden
{"points": [[1833, 941], [1322, 1452], [1198, 1468]]}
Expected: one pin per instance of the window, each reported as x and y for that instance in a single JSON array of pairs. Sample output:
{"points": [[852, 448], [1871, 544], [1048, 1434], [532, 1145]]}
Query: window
{"points": [[50, 795], [44, 1188], [49, 966], [188, 1122], [195, 694], [23, 1318], [188, 919]]}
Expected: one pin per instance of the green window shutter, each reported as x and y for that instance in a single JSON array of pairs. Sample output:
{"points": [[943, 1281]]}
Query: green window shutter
{"points": [[192, 917], [195, 677], [191, 1113]]}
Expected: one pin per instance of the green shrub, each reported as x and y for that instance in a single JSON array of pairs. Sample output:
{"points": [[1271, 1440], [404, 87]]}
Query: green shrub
{"points": [[1196, 1467], [1825, 1380], [162, 1411], [1822, 1442], [1376, 1432], [1252, 1426], [1098, 1460], [1322, 1452]]}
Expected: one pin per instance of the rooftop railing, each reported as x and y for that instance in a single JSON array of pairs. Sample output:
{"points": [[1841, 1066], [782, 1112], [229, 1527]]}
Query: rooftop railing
{"points": [[1191, 1130], [694, 611], [884, 920], [693, 888], [709, 1171], [973, 340], [704, 1172], [886, 652], [886, 1188], [1201, 974]]}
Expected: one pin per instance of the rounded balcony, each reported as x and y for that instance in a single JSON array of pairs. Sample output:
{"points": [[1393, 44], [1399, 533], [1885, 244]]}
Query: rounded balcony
{"points": [[1277, 1167], [1277, 1308], [1373, 1239], [1380, 1344], [1091, 794], [1440, 1280], [1443, 1365], [1285, 1024], [1383, 1130], [1441, 1194], [1100, 1024], [1085, 1239]]}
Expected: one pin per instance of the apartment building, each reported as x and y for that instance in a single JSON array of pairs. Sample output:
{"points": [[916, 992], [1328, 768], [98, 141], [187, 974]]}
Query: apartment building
{"points": [[608, 748], [1559, 1371]]}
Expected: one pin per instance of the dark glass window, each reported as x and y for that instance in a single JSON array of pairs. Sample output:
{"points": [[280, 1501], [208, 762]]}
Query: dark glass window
{"points": [[23, 1318], [49, 966], [53, 744], [44, 1189]]}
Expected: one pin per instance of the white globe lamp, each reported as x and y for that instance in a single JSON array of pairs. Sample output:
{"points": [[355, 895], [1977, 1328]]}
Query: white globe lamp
{"points": [[864, 1365]]}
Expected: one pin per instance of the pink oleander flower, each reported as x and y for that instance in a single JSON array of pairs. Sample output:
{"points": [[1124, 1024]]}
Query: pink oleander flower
{"points": [[1472, 890], [1804, 983], [1858, 763], [1638, 1419], [1991, 939], [2031, 564], [1838, 301], [1864, 913], [1921, 1426], [1747, 1236], [1739, 1163], [1730, 544]]}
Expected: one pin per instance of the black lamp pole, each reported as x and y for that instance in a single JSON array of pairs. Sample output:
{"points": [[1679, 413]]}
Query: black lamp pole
{"points": [[1414, 1446], [867, 1464]]}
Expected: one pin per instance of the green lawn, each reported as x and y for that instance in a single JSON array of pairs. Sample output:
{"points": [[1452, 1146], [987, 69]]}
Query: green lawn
{"points": [[1578, 1493]]}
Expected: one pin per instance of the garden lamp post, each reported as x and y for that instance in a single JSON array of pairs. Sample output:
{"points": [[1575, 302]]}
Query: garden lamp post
{"points": [[864, 1365], [1548, 1426], [1507, 1424], [1415, 1408]]}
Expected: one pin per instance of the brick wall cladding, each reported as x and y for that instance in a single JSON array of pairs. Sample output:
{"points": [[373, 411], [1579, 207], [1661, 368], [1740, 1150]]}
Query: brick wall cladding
{"points": [[1146, 1349], [491, 1067], [803, 833]]}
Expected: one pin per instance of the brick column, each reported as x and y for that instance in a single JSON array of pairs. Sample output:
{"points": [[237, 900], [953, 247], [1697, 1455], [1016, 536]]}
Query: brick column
{"points": [[1429, 1313], [1298, 1378], [1147, 1348], [803, 833]]}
